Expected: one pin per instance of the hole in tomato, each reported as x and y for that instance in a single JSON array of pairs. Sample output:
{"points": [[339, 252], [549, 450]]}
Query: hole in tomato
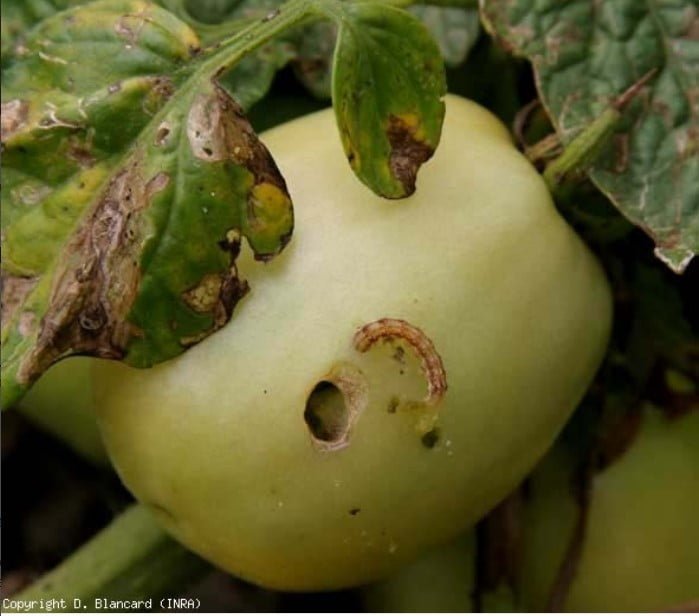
{"points": [[326, 414]]}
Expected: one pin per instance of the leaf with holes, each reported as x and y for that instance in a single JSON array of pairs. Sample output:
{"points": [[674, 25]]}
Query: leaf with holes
{"points": [[388, 80], [129, 183], [584, 55]]}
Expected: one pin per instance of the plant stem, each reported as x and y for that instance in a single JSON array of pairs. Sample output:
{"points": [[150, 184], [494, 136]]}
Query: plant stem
{"points": [[248, 37], [230, 50], [459, 4], [583, 149], [586, 146], [131, 559]]}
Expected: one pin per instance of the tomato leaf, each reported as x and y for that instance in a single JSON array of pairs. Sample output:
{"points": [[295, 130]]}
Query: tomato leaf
{"points": [[130, 180], [388, 80], [455, 29], [250, 80], [585, 54], [18, 16], [212, 11], [315, 45]]}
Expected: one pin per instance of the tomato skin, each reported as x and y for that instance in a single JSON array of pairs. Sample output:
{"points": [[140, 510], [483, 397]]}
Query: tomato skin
{"points": [[61, 404], [442, 580], [640, 551], [217, 442]]}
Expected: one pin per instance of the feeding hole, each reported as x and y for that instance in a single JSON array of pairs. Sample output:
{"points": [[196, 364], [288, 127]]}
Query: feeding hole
{"points": [[334, 405], [326, 414], [162, 134], [430, 439]]}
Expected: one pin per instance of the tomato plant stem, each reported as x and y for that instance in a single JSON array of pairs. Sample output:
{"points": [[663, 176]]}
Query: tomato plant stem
{"points": [[132, 559]]}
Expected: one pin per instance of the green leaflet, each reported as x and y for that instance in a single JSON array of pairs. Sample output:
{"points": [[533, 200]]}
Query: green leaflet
{"points": [[585, 54], [454, 28], [130, 184], [315, 45], [250, 80], [212, 11], [17, 16], [389, 114]]}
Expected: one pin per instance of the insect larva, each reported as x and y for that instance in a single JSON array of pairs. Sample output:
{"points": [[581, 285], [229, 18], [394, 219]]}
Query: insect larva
{"points": [[430, 361]]}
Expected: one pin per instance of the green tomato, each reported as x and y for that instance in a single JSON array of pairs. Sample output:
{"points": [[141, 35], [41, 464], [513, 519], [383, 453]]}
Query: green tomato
{"points": [[641, 547], [61, 404], [389, 378], [443, 580]]}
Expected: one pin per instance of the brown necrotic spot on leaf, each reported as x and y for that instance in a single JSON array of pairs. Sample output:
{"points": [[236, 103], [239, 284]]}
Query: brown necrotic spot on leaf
{"points": [[621, 149], [157, 183], [15, 290], [408, 149], [13, 117], [81, 155], [26, 323], [162, 133], [30, 194], [204, 296], [97, 278], [130, 25], [217, 293], [217, 130], [206, 130], [161, 91]]}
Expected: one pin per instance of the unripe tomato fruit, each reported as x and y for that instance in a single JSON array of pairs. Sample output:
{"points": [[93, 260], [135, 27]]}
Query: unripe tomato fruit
{"points": [[391, 376], [640, 551], [442, 580], [61, 404]]}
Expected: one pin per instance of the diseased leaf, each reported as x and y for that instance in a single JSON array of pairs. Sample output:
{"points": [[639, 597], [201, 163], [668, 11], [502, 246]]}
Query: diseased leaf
{"points": [[130, 182], [585, 54], [214, 20], [250, 80], [388, 80], [18, 16], [211, 11], [310, 47], [312, 65], [455, 29]]}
